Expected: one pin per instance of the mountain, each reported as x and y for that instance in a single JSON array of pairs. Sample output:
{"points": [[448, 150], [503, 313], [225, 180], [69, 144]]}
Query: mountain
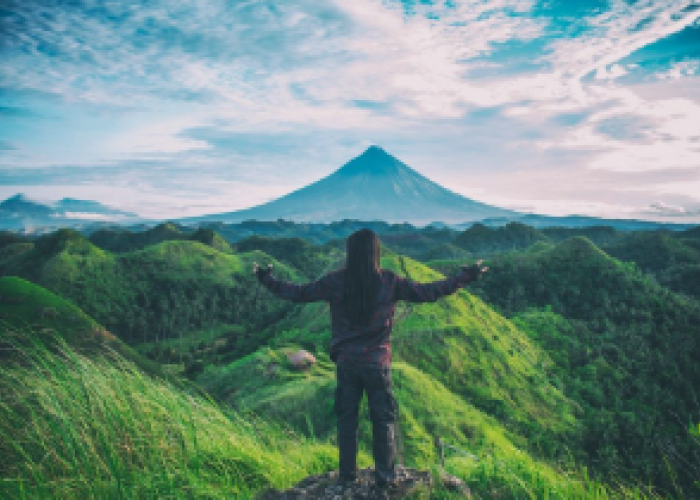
{"points": [[372, 186], [21, 212], [21, 205]]}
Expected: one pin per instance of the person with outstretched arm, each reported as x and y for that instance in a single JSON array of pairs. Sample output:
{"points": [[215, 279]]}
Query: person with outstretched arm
{"points": [[362, 298]]}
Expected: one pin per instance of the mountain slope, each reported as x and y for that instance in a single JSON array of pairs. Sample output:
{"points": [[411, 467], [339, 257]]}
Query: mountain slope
{"points": [[27, 309], [372, 186], [22, 212], [625, 348]]}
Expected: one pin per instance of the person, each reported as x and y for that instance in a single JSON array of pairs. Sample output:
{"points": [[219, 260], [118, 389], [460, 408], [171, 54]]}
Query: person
{"points": [[362, 298]]}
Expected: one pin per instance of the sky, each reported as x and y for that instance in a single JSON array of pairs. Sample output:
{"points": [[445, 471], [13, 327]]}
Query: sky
{"points": [[173, 108]]}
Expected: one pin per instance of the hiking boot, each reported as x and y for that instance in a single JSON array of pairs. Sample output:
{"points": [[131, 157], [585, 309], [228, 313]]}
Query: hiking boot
{"points": [[381, 493], [385, 490], [343, 485]]}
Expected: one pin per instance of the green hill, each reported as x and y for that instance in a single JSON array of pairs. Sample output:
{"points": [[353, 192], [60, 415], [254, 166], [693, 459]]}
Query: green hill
{"points": [[78, 427], [625, 349], [459, 342], [10, 238], [267, 384], [26, 307], [120, 240], [588, 364], [100, 429], [311, 260], [673, 261], [160, 292], [210, 238], [483, 240]]}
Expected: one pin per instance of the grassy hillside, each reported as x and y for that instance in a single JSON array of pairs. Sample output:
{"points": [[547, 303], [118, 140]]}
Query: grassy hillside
{"points": [[561, 357], [162, 291], [26, 307], [266, 383], [100, 429], [625, 348], [459, 342]]}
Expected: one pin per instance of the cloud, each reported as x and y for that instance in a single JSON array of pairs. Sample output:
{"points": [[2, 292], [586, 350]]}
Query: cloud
{"points": [[238, 94], [664, 209], [611, 73], [619, 31], [680, 69], [667, 209], [252, 56], [92, 216]]}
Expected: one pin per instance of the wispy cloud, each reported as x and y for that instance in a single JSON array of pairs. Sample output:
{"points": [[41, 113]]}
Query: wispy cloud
{"points": [[225, 88]]}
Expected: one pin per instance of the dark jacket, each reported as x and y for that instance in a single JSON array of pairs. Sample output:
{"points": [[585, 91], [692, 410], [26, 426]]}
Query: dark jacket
{"points": [[372, 343]]}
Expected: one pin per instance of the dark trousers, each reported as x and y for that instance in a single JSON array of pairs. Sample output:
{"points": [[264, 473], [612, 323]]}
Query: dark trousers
{"points": [[353, 380]]}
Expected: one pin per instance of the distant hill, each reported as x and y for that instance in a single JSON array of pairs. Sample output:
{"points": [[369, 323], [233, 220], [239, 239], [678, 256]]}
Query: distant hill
{"points": [[672, 258], [480, 239], [372, 186], [20, 212], [483, 239], [581, 221]]}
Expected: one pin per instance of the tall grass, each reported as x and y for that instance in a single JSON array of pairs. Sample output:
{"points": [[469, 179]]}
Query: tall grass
{"points": [[517, 476], [74, 427], [78, 427]]}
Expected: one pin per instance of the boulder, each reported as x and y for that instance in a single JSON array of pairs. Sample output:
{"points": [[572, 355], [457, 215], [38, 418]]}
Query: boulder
{"points": [[301, 359]]}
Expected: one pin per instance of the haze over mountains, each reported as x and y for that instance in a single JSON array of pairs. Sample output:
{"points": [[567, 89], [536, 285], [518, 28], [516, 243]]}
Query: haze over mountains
{"points": [[22, 212], [372, 186]]}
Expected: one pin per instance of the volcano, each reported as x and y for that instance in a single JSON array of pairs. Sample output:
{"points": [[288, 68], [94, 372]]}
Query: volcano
{"points": [[372, 186]]}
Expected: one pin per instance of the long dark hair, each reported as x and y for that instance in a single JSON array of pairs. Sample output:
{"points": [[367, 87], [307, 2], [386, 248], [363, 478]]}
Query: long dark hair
{"points": [[362, 276]]}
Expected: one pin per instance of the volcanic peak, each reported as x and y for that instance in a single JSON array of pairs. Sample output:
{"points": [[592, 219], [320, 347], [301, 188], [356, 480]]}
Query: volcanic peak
{"points": [[374, 161]]}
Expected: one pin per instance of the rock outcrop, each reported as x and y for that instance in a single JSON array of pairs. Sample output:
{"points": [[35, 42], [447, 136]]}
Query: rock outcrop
{"points": [[408, 482]]}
